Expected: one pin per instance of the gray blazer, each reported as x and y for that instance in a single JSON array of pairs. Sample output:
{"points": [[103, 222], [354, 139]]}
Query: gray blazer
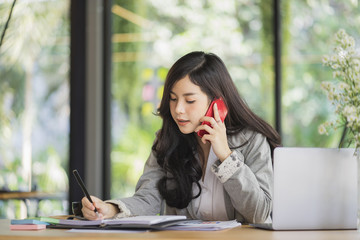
{"points": [[247, 175]]}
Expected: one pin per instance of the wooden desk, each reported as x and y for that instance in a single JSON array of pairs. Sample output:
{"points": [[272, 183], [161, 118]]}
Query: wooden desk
{"points": [[244, 232]]}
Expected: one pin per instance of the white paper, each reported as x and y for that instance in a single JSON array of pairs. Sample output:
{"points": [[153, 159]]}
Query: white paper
{"points": [[199, 225], [145, 220], [104, 231]]}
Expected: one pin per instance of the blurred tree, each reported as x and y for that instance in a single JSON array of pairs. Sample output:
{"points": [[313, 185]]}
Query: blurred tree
{"points": [[32, 23], [34, 62]]}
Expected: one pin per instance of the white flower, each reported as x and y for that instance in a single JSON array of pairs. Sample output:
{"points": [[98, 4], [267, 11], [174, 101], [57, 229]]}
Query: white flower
{"points": [[343, 86], [350, 114], [342, 55], [331, 95], [342, 62], [349, 110], [333, 58], [322, 129], [326, 86], [336, 74], [351, 42], [345, 95], [356, 64], [339, 35], [325, 59]]}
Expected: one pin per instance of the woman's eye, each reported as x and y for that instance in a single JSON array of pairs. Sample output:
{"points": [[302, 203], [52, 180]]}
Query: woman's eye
{"points": [[190, 101], [173, 99]]}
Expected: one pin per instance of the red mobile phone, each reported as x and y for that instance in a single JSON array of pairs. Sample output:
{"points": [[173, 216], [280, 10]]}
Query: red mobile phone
{"points": [[210, 113]]}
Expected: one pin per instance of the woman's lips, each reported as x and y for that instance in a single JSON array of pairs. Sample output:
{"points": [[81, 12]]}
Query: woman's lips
{"points": [[182, 122]]}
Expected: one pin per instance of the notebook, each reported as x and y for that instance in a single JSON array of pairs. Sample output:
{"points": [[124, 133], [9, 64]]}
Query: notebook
{"points": [[136, 222], [314, 188]]}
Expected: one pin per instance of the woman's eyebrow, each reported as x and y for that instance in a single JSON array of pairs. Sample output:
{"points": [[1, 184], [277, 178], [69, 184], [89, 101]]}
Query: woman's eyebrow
{"points": [[185, 94], [189, 94]]}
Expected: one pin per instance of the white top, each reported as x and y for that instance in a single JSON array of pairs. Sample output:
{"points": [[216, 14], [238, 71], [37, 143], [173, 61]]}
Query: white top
{"points": [[210, 205]]}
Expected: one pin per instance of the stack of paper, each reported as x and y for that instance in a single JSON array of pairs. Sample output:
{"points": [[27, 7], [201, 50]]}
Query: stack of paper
{"points": [[199, 225], [27, 224], [137, 222], [144, 220], [164, 222]]}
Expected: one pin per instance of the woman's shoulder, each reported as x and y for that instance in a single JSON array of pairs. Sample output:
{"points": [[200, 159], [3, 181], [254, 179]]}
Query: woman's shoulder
{"points": [[245, 137], [251, 145]]}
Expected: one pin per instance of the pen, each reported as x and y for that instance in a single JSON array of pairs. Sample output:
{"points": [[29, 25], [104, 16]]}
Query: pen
{"points": [[83, 188]]}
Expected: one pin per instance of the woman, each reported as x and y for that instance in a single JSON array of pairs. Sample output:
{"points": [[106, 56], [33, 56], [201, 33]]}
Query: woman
{"points": [[226, 174]]}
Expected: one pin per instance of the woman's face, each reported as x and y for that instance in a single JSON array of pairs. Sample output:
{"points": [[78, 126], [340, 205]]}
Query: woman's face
{"points": [[187, 105]]}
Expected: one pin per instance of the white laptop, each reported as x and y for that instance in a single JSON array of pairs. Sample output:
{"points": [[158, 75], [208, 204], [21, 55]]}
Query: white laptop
{"points": [[314, 188]]}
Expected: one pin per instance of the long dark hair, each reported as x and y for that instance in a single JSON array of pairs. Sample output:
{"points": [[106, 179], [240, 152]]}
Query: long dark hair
{"points": [[176, 151]]}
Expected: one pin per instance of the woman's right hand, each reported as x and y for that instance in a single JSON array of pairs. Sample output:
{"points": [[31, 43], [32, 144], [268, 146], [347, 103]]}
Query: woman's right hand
{"points": [[104, 210]]}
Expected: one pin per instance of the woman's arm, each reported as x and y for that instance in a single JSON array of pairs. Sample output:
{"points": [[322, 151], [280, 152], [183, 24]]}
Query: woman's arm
{"points": [[247, 176]]}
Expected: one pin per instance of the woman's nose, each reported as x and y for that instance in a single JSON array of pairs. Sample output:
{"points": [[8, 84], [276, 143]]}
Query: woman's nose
{"points": [[179, 107]]}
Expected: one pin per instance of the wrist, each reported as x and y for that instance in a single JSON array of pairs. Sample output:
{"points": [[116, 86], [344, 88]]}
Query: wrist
{"points": [[112, 210], [225, 155]]}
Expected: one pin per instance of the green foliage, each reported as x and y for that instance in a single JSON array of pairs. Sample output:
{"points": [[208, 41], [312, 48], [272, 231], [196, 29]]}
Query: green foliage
{"points": [[49, 173], [126, 80], [12, 86], [34, 63], [304, 104], [128, 158]]}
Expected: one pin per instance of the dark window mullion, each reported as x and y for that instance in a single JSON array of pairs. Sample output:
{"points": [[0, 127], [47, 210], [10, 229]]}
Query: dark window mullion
{"points": [[77, 96], [107, 99], [277, 64]]}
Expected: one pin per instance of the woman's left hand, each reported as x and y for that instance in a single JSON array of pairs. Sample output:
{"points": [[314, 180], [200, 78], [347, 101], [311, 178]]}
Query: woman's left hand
{"points": [[216, 134]]}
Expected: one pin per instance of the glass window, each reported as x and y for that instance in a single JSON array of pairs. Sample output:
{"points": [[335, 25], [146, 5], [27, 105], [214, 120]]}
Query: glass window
{"points": [[34, 104], [308, 36], [148, 38]]}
